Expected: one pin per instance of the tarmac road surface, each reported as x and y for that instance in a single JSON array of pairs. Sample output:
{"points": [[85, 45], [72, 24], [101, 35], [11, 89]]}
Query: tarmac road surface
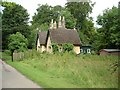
{"points": [[11, 78]]}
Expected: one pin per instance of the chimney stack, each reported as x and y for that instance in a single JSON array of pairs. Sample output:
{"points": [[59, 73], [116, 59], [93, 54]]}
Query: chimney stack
{"points": [[51, 24], [63, 22], [55, 25], [59, 23]]}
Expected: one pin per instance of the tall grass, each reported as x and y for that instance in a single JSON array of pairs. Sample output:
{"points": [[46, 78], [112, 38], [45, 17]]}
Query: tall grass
{"points": [[6, 55], [84, 71]]}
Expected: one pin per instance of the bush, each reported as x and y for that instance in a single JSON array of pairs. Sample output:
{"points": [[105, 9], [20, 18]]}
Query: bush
{"points": [[8, 52], [67, 47], [93, 52], [17, 42], [55, 47]]}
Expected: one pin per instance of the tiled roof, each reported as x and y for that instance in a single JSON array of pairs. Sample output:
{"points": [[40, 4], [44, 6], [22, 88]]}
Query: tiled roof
{"points": [[63, 35], [112, 50], [43, 37]]}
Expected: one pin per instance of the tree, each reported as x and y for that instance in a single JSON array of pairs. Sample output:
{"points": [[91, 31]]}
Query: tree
{"points": [[33, 37], [84, 23], [80, 11], [109, 33], [14, 19], [70, 21], [45, 13], [17, 42], [43, 27]]}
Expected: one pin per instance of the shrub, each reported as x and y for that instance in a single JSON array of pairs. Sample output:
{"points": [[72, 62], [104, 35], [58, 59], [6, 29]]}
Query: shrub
{"points": [[17, 42], [93, 52], [67, 47], [8, 52], [55, 47]]}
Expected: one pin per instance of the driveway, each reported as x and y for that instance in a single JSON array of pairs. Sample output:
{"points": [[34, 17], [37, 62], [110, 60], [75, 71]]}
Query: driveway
{"points": [[11, 78]]}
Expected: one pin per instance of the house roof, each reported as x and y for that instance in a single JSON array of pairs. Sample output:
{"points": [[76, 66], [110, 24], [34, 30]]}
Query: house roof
{"points": [[87, 46], [63, 35], [111, 50], [43, 37]]}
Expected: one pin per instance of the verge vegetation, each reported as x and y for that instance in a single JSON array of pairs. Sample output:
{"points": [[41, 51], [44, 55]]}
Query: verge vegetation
{"points": [[66, 70]]}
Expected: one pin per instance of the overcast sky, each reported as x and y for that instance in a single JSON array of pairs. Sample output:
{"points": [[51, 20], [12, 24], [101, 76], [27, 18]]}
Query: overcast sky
{"points": [[31, 5]]}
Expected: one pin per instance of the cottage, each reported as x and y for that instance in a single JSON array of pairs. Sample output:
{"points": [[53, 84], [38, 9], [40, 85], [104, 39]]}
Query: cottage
{"points": [[110, 52], [59, 36]]}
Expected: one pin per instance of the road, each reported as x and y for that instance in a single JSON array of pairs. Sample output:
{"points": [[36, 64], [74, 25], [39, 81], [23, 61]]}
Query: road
{"points": [[0, 75], [11, 78]]}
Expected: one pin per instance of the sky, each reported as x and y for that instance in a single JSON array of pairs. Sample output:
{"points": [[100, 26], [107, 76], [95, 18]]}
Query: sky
{"points": [[32, 5]]}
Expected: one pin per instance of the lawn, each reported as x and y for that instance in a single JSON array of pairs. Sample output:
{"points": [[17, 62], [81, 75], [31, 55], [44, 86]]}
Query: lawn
{"points": [[68, 70]]}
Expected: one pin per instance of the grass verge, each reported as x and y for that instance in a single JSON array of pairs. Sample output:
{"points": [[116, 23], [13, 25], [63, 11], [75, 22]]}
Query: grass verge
{"points": [[67, 70]]}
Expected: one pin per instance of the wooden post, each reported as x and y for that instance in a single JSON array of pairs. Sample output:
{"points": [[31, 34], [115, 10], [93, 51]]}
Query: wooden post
{"points": [[12, 55]]}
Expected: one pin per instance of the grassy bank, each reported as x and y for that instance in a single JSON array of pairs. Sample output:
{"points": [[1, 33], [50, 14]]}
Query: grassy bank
{"points": [[68, 70]]}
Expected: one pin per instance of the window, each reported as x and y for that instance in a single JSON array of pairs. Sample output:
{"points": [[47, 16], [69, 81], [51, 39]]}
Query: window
{"points": [[88, 51], [81, 50], [60, 49]]}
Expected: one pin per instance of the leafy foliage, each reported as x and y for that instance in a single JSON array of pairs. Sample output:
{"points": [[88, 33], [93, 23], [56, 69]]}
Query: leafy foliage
{"points": [[43, 27], [33, 38], [108, 35], [80, 11], [67, 47], [70, 21], [55, 47], [84, 23], [45, 13], [68, 70], [14, 19], [17, 42]]}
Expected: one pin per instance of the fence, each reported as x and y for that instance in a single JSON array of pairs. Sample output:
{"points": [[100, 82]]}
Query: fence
{"points": [[25, 54], [18, 55]]}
